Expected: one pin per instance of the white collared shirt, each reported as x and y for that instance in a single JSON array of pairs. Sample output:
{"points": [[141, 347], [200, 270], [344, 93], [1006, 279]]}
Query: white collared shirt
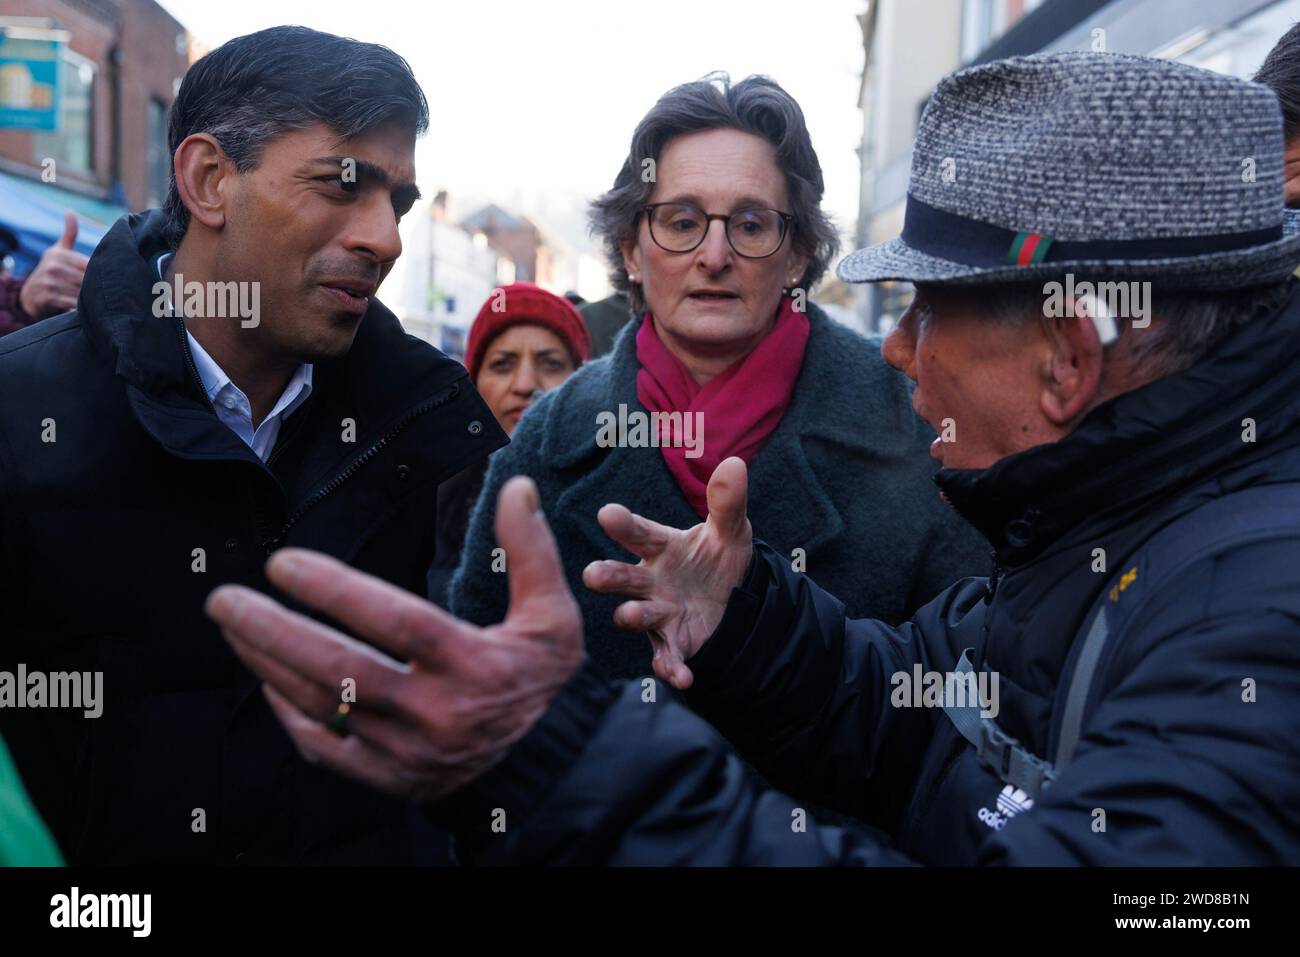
{"points": [[232, 406]]}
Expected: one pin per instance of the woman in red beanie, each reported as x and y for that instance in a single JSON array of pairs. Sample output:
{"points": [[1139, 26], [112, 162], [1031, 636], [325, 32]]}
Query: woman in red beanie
{"points": [[524, 341]]}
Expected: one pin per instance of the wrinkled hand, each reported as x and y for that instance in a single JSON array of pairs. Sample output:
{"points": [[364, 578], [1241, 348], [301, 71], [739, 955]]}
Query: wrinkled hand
{"points": [[422, 729], [684, 579], [52, 287]]}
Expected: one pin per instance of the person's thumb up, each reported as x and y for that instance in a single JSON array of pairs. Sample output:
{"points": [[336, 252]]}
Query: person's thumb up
{"points": [[69, 238]]}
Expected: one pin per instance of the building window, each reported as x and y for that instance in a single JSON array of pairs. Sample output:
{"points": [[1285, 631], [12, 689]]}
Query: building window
{"points": [[73, 144], [160, 160]]}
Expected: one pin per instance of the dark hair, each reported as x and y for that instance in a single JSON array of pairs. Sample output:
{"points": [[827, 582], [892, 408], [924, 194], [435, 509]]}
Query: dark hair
{"points": [[757, 105], [254, 88], [1281, 74]]}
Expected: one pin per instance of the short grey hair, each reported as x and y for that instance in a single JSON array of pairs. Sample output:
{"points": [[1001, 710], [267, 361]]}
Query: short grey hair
{"points": [[1193, 323], [757, 105]]}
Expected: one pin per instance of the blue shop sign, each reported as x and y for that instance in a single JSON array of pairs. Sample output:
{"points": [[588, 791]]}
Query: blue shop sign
{"points": [[30, 87]]}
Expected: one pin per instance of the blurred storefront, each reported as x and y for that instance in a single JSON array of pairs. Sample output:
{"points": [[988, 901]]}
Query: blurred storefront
{"points": [[911, 44], [85, 87]]}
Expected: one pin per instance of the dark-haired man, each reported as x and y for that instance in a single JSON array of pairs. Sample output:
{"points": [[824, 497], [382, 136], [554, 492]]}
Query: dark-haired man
{"points": [[1281, 74], [228, 384]]}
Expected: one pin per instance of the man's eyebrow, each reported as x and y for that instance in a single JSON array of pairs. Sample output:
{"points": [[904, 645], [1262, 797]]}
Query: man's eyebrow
{"points": [[367, 170], [406, 195]]}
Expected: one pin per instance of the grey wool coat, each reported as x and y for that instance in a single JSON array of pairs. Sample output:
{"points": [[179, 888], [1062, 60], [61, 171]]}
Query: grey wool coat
{"points": [[846, 476]]}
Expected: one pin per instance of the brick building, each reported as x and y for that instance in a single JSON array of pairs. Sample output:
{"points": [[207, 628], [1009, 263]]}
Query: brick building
{"points": [[513, 237], [120, 69]]}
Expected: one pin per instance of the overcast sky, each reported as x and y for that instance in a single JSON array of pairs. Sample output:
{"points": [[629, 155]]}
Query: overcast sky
{"points": [[533, 102]]}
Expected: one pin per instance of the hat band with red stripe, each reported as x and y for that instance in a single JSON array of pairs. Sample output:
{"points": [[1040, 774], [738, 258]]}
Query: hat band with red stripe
{"points": [[972, 242]]}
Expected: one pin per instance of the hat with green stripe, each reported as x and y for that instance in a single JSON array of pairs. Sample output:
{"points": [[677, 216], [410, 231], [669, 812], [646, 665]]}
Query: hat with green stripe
{"points": [[1106, 164]]}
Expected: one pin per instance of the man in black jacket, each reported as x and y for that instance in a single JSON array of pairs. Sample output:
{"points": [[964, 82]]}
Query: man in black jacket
{"points": [[1123, 689], [153, 446]]}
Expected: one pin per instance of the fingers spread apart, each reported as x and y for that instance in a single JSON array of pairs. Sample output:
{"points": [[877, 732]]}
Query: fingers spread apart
{"points": [[640, 536], [619, 578], [305, 658], [390, 617]]}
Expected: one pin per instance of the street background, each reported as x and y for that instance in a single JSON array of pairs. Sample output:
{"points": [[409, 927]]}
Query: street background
{"points": [[532, 106]]}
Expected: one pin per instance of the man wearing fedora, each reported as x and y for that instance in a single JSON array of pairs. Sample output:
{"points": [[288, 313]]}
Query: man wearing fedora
{"points": [[1122, 690]]}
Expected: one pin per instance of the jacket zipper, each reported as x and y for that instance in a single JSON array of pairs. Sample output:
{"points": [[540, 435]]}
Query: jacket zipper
{"points": [[991, 588], [990, 592], [333, 485], [258, 517], [189, 362]]}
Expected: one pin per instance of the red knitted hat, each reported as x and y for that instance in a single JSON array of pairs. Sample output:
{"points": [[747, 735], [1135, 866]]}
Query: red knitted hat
{"points": [[520, 303]]}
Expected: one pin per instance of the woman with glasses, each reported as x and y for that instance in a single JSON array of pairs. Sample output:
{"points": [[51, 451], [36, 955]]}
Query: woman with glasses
{"points": [[714, 231]]}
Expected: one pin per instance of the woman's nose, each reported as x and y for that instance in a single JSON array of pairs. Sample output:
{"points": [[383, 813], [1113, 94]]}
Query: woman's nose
{"points": [[525, 380], [715, 252]]}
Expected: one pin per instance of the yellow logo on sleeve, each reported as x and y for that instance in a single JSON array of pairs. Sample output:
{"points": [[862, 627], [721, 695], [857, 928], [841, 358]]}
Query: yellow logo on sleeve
{"points": [[1128, 578]]}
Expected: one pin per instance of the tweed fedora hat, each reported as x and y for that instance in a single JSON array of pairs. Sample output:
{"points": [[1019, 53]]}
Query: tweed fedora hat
{"points": [[1103, 163]]}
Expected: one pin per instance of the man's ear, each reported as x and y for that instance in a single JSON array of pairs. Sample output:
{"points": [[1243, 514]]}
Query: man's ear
{"points": [[1072, 377], [201, 168]]}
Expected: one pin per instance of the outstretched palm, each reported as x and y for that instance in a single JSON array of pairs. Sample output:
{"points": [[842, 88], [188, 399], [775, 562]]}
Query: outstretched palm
{"points": [[451, 699], [680, 587]]}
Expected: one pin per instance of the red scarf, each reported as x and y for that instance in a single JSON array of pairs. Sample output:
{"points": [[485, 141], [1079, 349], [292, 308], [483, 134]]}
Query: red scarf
{"points": [[738, 408]]}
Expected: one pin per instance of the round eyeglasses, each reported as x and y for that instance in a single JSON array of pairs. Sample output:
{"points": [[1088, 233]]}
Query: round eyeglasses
{"points": [[752, 233]]}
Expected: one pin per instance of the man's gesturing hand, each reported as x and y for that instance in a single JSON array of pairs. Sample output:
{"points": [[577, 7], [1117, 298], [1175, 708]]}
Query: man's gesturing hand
{"points": [[420, 729], [681, 585]]}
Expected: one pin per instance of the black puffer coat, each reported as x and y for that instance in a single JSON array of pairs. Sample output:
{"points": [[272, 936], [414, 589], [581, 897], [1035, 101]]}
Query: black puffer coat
{"points": [[1188, 754], [100, 532]]}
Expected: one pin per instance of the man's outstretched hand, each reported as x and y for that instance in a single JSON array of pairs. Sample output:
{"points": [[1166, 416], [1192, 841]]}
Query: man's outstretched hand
{"points": [[681, 585], [423, 728]]}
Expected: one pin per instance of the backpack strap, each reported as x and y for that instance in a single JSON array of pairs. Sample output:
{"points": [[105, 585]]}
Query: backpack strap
{"points": [[1254, 514], [1014, 763]]}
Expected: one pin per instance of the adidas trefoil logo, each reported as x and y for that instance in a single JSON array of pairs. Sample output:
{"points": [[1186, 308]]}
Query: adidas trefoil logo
{"points": [[1011, 802]]}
